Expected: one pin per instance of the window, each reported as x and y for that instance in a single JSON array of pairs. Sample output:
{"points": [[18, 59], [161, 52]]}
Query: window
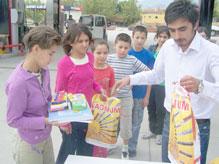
{"points": [[87, 20], [99, 21], [4, 17]]}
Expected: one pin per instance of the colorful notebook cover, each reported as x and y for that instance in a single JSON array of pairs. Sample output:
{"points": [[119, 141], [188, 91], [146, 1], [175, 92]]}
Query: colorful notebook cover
{"points": [[71, 108]]}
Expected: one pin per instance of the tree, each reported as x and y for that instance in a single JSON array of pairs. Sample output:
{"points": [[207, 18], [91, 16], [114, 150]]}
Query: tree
{"points": [[216, 9], [101, 7], [125, 10], [130, 11], [35, 14], [70, 2]]}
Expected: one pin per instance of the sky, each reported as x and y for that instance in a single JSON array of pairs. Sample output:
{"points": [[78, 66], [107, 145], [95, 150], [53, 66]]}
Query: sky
{"points": [[159, 3], [154, 3]]}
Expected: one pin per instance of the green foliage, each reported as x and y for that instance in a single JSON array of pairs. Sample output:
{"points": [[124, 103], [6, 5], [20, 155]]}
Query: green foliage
{"points": [[38, 16], [127, 10], [70, 2], [216, 9], [101, 7], [130, 11]]}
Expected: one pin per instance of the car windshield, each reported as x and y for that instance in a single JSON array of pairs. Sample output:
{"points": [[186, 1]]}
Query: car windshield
{"points": [[87, 20]]}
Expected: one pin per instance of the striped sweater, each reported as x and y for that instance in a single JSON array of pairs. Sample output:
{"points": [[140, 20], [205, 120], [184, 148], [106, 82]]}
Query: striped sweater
{"points": [[124, 67]]}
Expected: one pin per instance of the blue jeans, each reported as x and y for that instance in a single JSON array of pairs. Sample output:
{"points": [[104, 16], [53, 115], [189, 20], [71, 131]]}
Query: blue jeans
{"points": [[204, 132], [137, 117], [165, 138]]}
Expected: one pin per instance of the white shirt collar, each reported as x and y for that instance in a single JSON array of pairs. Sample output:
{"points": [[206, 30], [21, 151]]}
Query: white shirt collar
{"points": [[195, 45]]}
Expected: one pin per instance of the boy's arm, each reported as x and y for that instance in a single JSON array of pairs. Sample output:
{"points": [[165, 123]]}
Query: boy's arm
{"points": [[139, 66], [113, 91], [145, 101], [112, 81], [155, 76]]}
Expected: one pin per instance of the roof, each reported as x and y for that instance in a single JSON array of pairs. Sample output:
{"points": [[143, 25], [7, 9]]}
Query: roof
{"points": [[153, 11]]}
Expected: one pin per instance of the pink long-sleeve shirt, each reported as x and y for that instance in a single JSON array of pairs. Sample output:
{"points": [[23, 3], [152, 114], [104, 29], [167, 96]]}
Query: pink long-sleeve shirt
{"points": [[74, 78]]}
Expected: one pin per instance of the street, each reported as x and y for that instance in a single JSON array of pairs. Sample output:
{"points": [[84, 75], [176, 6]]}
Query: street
{"points": [[147, 149]]}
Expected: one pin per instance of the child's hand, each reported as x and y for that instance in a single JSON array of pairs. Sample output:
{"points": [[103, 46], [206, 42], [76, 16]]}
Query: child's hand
{"points": [[103, 96], [145, 102], [53, 123], [66, 127]]}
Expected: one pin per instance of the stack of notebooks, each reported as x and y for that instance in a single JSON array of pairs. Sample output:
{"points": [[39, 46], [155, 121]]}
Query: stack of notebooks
{"points": [[67, 107]]}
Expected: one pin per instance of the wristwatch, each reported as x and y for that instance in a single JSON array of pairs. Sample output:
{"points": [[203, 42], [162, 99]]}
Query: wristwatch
{"points": [[200, 87]]}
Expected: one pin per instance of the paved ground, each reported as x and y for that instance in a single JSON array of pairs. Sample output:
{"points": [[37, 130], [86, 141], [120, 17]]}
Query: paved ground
{"points": [[147, 150]]}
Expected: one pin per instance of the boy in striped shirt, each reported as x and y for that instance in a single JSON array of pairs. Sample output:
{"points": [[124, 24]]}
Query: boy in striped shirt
{"points": [[124, 65]]}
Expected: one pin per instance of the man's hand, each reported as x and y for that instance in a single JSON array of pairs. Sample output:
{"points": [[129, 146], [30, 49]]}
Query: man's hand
{"points": [[120, 84], [190, 83]]}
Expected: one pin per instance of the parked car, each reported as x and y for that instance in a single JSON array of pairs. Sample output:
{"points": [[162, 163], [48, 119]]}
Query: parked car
{"points": [[214, 30], [97, 25]]}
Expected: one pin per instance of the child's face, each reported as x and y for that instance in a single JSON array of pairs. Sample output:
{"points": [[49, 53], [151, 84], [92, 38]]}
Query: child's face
{"points": [[162, 37], [44, 56], [204, 35], [139, 39], [100, 54], [122, 48], [81, 44]]}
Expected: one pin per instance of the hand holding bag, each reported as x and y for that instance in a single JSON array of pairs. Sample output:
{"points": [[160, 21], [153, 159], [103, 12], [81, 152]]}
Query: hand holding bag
{"points": [[184, 140]]}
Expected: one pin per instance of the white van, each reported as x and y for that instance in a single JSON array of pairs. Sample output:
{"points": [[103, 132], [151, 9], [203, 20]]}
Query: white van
{"points": [[97, 25]]}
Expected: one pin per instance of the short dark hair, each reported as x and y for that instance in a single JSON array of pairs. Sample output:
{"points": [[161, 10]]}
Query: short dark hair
{"points": [[203, 29], [73, 32], [140, 28], [181, 9], [123, 37], [162, 29]]}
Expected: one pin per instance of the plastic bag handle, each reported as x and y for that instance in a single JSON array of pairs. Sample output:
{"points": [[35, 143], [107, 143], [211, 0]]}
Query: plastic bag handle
{"points": [[180, 90]]}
